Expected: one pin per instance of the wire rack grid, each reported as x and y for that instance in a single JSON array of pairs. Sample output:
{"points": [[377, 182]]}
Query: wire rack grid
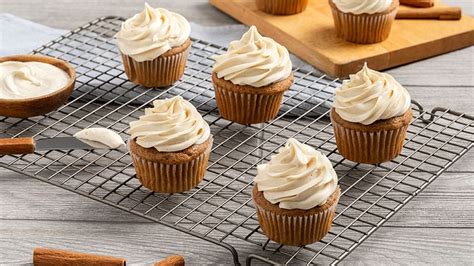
{"points": [[220, 209]]}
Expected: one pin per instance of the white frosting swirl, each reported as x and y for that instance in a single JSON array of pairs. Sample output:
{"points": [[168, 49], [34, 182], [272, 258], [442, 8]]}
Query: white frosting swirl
{"points": [[151, 33], [298, 177], [369, 96], [172, 125], [22, 80], [253, 60], [362, 6]]}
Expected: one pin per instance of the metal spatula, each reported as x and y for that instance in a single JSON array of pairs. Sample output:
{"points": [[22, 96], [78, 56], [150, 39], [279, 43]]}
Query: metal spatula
{"points": [[30, 145]]}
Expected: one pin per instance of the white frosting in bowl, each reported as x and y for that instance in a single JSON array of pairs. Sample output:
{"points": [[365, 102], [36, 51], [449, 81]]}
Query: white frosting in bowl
{"points": [[298, 177], [151, 33], [253, 60], [172, 125], [362, 6], [104, 136], [369, 96], [23, 80]]}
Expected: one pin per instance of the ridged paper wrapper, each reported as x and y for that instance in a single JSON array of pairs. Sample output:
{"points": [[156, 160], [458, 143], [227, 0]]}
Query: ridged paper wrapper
{"points": [[295, 227], [162, 71], [282, 7], [364, 28], [249, 105], [375, 143], [170, 172]]}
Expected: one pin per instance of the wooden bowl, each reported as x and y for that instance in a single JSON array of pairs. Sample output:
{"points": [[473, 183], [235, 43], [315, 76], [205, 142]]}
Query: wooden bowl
{"points": [[40, 105]]}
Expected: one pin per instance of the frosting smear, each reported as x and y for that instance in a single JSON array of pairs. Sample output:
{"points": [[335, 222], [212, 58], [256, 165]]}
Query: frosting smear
{"points": [[107, 137], [298, 177], [253, 60]]}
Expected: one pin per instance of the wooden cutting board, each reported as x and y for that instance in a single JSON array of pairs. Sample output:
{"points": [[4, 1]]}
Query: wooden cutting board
{"points": [[311, 36]]}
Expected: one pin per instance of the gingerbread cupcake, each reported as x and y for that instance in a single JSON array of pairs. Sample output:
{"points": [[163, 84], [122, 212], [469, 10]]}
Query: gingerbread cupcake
{"points": [[370, 117], [282, 7], [296, 195], [364, 21], [251, 78], [154, 45], [170, 146]]}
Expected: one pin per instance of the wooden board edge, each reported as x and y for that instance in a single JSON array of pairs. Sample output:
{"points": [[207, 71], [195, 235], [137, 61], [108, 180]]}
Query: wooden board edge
{"points": [[408, 55], [342, 70]]}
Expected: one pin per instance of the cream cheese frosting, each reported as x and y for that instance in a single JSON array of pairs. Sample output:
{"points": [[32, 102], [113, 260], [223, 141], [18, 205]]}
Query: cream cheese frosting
{"points": [[104, 136], [151, 33], [253, 60], [369, 96], [22, 80], [172, 125], [298, 177], [362, 6]]}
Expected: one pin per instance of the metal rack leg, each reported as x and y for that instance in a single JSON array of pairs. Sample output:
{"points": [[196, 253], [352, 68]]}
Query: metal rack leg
{"points": [[252, 257]]}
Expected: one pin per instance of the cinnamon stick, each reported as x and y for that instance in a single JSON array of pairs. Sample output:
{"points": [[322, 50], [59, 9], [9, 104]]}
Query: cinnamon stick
{"points": [[55, 257], [171, 261], [442, 13], [417, 3]]}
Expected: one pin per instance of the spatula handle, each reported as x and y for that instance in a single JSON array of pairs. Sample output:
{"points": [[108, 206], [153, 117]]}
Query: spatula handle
{"points": [[17, 146]]}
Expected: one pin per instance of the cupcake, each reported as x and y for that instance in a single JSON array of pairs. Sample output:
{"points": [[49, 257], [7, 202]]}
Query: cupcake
{"points": [[364, 21], [170, 146], [296, 195], [154, 45], [370, 117], [251, 78], [282, 7]]}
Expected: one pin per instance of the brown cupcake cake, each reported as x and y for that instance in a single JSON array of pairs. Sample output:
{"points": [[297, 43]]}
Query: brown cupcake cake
{"points": [[170, 146], [154, 45], [370, 117], [364, 21], [296, 195], [282, 7], [251, 78]]}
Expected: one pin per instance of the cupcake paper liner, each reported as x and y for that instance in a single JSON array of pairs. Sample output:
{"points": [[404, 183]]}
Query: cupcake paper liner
{"points": [[171, 178], [364, 28], [282, 7], [249, 106], [296, 229], [161, 72], [369, 146]]}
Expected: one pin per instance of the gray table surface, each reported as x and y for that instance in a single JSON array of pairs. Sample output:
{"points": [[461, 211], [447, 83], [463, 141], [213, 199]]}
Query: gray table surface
{"points": [[435, 228]]}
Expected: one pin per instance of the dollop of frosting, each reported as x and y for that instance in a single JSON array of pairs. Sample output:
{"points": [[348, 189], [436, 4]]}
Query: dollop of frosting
{"points": [[362, 6], [107, 137], [22, 80], [298, 177], [369, 96], [172, 125], [151, 33], [253, 60]]}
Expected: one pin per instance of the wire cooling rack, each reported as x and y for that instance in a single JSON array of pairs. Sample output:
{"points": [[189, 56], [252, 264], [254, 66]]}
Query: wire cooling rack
{"points": [[220, 209]]}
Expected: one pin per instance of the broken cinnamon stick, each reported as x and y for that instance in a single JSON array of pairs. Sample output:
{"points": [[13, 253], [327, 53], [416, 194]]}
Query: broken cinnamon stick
{"points": [[442, 13], [56, 257], [417, 3], [171, 261]]}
